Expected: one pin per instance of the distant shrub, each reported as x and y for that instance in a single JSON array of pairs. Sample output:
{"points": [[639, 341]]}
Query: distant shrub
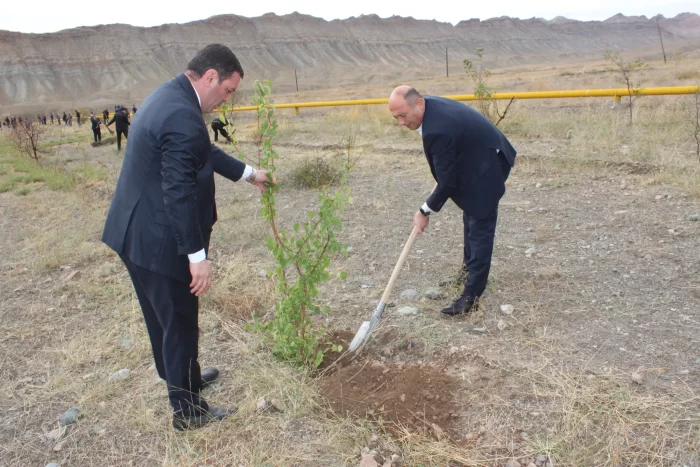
{"points": [[315, 173], [688, 75]]}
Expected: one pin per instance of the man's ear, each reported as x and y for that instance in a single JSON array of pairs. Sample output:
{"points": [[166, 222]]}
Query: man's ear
{"points": [[210, 77]]}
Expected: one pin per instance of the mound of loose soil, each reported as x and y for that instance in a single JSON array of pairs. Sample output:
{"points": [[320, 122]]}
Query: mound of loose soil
{"points": [[416, 396]]}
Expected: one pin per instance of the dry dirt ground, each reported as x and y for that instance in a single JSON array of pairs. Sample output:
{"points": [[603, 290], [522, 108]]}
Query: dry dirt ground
{"points": [[596, 251]]}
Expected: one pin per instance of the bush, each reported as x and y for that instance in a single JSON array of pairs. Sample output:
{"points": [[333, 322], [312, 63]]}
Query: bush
{"points": [[315, 173], [688, 75]]}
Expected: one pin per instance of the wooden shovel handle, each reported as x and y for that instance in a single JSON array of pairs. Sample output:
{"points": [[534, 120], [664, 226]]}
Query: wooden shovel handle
{"points": [[399, 264]]}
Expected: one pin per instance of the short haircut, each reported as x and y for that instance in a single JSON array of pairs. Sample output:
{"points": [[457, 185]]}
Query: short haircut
{"points": [[217, 57], [412, 96]]}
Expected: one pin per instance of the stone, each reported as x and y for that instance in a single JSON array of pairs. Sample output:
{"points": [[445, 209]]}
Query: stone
{"points": [[433, 294], [513, 463], [119, 375], [694, 217], [97, 430], [262, 274], [368, 461], [507, 309], [127, 342], [267, 405], [437, 431], [481, 330], [538, 185], [502, 325], [531, 464], [367, 284], [53, 464], [69, 417], [541, 458], [448, 281], [408, 311], [410, 294], [59, 446], [350, 250], [72, 275], [55, 435], [638, 377], [530, 251]]}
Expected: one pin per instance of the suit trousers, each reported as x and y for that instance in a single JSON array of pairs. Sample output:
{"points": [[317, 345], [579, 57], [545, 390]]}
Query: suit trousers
{"points": [[119, 137], [479, 234], [171, 313], [223, 132]]}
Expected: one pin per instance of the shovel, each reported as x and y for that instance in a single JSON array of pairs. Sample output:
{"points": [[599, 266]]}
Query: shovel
{"points": [[368, 327]]}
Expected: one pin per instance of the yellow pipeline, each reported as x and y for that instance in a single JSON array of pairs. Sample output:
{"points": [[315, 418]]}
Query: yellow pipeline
{"points": [[615, 93]]}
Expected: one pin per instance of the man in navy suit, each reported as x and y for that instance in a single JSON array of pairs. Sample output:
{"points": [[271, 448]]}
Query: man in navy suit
{"points": [[470, 159], [161, 218]]}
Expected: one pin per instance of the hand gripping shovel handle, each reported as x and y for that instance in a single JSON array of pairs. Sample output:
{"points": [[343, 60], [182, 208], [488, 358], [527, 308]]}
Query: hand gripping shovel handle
{"points": [[369, 326]]}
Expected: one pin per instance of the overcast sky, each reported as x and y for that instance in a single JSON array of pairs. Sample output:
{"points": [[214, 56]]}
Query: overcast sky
{"points": [[53, 15]]}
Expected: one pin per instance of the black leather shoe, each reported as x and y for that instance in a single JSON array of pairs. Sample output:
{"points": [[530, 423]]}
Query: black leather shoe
{"points": [[209, 375], [462, 305], [192, 422]]}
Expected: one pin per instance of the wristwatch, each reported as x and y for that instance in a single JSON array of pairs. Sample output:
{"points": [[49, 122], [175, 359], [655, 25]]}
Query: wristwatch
{"points": [[424, 212]]}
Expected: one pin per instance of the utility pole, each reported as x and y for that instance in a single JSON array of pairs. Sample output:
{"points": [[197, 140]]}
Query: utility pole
{"points": [[661, 38], [447, 67], [295, 79]]}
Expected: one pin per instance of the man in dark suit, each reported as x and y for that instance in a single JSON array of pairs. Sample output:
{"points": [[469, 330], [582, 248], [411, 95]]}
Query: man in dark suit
{"points": [[122, 123], [220, 127], [470, 159], [95, 124], [161, 218]]}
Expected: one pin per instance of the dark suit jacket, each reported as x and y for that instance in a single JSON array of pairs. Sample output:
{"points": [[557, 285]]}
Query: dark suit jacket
{"points": [[460, 145], [122, 121], [163, 207]]}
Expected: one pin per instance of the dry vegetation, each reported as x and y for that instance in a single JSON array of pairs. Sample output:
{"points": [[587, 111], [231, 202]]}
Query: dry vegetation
{"points": [[612, 290]]}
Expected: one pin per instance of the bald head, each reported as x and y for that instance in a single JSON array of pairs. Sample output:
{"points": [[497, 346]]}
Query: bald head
{"points": [[407, 106]]}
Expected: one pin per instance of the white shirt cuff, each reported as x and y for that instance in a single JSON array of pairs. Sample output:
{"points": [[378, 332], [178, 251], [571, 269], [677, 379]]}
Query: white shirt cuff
{"points": [[426, 208], [246, 173], [198, 257]]}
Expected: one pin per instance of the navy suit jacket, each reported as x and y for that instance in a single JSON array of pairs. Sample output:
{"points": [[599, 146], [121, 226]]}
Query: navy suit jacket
{"points": [[460, 145], [163, 207]]}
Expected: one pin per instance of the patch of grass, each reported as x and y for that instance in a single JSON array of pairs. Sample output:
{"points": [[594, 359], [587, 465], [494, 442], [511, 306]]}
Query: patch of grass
{"points": [[24, 191], [314, 173], [89, 173]]}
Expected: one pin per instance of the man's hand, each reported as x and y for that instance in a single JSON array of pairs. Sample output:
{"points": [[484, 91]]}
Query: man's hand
{"points": [[201, 277], [261, 178], [420, 221]]}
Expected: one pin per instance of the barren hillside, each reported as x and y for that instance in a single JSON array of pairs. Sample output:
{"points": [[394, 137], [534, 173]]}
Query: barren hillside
{"points": [[121, 63]]}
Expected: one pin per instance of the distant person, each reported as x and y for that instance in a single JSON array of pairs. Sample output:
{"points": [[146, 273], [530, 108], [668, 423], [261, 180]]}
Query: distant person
{"points": [[96, 131], [161, 218], [122, 123], [77, 116], [470, 159], [51, 115], [105, 115], [133, 109], [220, 127]]}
